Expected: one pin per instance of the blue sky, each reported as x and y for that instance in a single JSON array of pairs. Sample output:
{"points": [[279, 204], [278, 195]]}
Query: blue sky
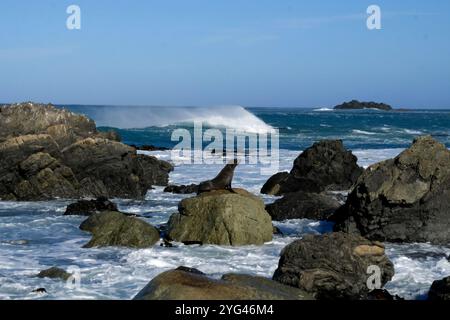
{"points": [[203, 52]]}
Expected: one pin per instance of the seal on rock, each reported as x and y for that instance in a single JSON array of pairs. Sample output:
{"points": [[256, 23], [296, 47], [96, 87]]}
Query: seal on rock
{"points": [[222, 181]]}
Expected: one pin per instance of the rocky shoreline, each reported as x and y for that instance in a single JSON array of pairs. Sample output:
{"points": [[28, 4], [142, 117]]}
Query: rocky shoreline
{"points": [[49, 153]]}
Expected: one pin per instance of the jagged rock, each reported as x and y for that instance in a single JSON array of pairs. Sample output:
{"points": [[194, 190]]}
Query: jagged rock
{"points": [[89, 207], [333, 266], [30, 118], [54, 273], [405, 199], [440, 290], [116, 229], [222, 217], [185, 285], [355, 104], [47, 153], [301, 205], [192, 188], [327, 165]]}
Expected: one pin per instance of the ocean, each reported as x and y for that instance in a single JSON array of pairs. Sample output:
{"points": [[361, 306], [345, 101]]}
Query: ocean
{"points": [[35, 235]]}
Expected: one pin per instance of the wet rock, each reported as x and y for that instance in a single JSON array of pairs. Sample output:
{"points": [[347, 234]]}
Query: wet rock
{"points": [[89, 207], [404, 199], [440, 290], [301, 205], [222, 217], [333, 266], [54, 273], [187, 285], [48, 153], [119, 230]]}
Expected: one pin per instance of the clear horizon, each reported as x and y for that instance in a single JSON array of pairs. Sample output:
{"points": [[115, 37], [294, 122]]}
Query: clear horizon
{"points": [[256, 54]]}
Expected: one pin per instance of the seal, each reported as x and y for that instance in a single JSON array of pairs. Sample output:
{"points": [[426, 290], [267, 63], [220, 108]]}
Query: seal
{"points": [[222, 181]]}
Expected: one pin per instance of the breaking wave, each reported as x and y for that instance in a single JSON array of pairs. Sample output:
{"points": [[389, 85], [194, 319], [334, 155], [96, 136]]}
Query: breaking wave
{"points": [[234, 117]]}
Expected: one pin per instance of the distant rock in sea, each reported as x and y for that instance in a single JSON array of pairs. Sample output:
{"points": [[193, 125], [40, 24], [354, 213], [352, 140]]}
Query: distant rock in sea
{"points": [[355, 105], [47, 153]]}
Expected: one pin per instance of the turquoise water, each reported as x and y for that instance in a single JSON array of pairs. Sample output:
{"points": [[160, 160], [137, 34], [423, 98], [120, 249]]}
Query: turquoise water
{"points": [[299, 128]]}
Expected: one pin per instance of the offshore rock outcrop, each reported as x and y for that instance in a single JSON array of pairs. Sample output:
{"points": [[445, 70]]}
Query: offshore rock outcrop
{"points": [[47, 152], [355, 105], [405, 199]]}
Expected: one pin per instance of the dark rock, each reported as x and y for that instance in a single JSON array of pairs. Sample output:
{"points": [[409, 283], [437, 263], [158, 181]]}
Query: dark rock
{"points": [[188, 285], [192, 243], [146, 147], [272, 186], [119, 230], [405, 199], [332, 266], [39, 290], [54, 273], [440, 290], [327, 165], [193, 188], [301, 205], [89, 207], [277, 231], [355, 104], [48, 153]]}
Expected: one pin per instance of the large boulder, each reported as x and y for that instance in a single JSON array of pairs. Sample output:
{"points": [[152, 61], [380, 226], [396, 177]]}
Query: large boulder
{"points": [[440, 290], [327, 165], [185, 284], [303, 205], [115, 229], [333, 266], [223, 218], [47, 153], [405, 199]]}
